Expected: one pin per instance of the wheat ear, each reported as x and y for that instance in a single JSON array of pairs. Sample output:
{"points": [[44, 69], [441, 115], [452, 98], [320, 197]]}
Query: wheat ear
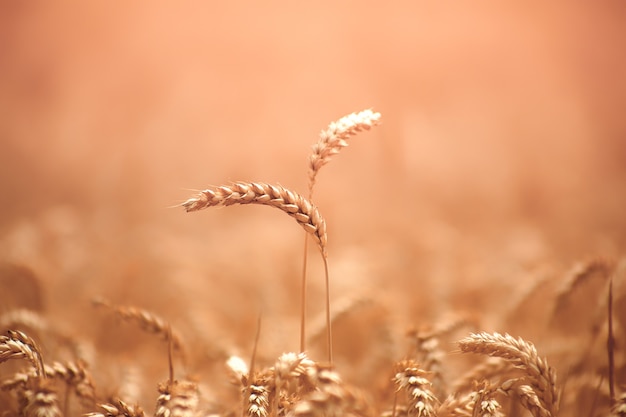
{"points": [[296, 206], [331, 141], [334, 137], [178, 398], [39, 400], [290, 202], [421, 401], [146, 320], [523, 355], [18, 345]]}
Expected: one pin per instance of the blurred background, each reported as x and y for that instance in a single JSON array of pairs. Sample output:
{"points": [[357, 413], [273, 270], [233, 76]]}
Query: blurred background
{"points": [[501, 158]]}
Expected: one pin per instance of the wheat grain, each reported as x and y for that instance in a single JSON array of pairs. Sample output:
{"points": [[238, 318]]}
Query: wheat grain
{"points": [[296, 206]]}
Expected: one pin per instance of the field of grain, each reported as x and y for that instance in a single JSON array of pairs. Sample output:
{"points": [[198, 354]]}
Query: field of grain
{"points": [[471, 234]]}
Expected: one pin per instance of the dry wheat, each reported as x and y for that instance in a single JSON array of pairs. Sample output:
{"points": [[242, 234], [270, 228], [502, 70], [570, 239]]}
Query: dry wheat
{"points": [[18, 345], [421, 402], [118, 408], [296, 206], [178, 399], [491, 368], [523, 355], [334, 137], [39, 400], [146, 320], [456, 406], [619, 408]]}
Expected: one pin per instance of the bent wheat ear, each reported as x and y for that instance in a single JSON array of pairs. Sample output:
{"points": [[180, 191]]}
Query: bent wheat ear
{"points": [[296, 206], [18, 345], [333, 139], [523, 355]]}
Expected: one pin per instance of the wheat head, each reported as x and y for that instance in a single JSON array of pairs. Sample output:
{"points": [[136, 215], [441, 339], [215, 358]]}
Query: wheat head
{"points": [[523, 355], [334, 137], [290, 202]]}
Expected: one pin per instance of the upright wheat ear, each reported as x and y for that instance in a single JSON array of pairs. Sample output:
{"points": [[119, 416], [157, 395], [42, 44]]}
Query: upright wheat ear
{"points": [[333, 139], [330, 142]]}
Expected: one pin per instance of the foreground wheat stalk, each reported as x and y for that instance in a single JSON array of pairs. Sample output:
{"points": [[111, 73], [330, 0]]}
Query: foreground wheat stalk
{"points": [[290, 202]]}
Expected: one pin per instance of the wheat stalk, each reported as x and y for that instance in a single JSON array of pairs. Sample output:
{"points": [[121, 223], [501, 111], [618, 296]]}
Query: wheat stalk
{"points": [[331, 141], [523, 355]]}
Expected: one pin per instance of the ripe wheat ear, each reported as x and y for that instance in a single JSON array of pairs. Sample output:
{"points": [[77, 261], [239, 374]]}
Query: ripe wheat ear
{"points": [[290, 202]]}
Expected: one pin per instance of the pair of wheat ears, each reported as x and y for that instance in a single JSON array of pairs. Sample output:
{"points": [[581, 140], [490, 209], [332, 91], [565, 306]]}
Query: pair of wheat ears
{"points": [[297, 386], [331, 141]]}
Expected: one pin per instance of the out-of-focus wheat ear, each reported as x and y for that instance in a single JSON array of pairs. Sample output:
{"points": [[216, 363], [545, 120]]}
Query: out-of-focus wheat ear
{"points": [[302, 210], [487, 370], [289, 370], [18, 345], [39, 400], [456, 406], [484, 402], [77, 376], [118, 408], [527, 396], [21, 317], [522, 354], [409, 378], [328, 396], [147, 321], [178, 399], [334, 137]]}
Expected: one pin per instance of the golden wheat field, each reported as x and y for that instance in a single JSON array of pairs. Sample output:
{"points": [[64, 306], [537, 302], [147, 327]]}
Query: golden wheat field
{"points": [[445, 222]]}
